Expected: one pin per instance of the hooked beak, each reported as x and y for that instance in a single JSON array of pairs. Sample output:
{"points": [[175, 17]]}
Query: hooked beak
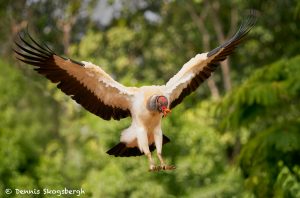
{"points": [[165, 111]]}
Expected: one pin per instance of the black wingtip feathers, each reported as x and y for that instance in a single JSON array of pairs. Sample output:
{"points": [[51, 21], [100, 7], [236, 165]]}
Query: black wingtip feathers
{"points": [[248, 22]]}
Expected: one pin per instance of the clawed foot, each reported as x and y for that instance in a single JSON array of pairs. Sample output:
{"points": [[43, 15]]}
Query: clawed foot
{"points": [[154, 168], [162, 167], [168, 167]]}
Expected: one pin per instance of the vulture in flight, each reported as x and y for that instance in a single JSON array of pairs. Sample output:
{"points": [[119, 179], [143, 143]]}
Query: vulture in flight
{"points": [[99, 93]]}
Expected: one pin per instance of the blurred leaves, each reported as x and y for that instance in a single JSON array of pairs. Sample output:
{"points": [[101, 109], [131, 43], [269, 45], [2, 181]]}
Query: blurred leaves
{"points": [[267, 104], [269, 91], [245, 145]]}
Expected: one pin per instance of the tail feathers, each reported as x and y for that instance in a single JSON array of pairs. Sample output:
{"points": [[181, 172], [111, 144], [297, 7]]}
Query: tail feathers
{"points": [[165, 139], [120, 150]]}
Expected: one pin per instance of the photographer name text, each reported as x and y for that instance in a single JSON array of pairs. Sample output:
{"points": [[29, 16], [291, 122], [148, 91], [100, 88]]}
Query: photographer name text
{"points": [[46, 191]]}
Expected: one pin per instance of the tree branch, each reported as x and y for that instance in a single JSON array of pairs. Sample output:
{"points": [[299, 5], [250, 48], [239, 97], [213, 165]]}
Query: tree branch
{"points": [[198, 20], [225, 66]]}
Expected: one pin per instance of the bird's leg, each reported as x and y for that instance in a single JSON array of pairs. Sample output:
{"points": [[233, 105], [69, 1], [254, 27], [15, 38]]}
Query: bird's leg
{"points": [[142, 140], [152, 166], [158, 139]]}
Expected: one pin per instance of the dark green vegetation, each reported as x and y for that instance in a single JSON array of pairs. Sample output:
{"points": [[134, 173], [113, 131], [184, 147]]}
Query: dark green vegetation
{"points": [[237, 136]]}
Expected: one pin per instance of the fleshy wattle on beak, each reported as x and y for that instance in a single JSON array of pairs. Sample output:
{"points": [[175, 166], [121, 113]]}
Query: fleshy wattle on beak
{"points": [[165, 111]]}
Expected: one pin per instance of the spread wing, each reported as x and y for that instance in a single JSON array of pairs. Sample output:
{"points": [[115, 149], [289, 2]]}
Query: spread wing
{"points": [[86, 83], [199, 68]]}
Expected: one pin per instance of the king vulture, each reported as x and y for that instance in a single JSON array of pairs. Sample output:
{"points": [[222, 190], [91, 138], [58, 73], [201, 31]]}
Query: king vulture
{"points": [[100, 94]]}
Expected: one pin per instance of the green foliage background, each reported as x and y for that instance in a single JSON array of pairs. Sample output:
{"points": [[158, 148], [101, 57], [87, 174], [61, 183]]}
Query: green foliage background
{"points": [[244, 144]]}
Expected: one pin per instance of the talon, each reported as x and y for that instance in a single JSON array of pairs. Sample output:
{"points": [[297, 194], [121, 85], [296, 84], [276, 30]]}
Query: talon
{"points": [[168, 167], [154, 168]]}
